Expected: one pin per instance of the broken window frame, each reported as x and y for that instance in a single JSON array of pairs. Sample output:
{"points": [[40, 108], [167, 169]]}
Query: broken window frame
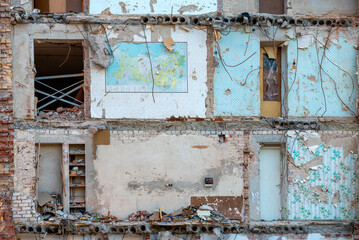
{"points": [[53, 95]]}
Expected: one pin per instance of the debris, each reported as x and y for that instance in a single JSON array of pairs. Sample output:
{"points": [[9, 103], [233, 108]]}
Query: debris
{"points": [[43, 115], [70, 114], [155, 216], [206, 207], [59, 213], [177, 212]]}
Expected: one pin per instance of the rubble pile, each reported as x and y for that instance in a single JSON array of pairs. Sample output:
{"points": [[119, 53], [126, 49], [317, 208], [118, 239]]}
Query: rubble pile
{"points": [[51, 211], [71, 114]]}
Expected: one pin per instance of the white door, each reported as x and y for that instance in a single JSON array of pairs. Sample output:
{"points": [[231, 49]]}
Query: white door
{"points": [[270, 171]]}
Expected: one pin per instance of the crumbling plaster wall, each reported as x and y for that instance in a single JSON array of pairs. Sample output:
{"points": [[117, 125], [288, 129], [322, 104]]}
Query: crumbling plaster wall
{"points": [[23, 78], [236, 92], [320, 176], [160, 105], [26, 157], [151, 170], [154, 7]]}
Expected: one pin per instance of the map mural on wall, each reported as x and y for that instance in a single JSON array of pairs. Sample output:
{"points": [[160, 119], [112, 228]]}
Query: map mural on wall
{"points": [[131, 68]]}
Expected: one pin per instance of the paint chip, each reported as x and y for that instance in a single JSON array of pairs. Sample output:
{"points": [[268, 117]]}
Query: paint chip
{"points": [[168, 42]]}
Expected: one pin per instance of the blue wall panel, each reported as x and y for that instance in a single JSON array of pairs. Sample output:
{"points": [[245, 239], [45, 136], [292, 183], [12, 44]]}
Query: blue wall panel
{"points": [[232, 99], [306, 97]]}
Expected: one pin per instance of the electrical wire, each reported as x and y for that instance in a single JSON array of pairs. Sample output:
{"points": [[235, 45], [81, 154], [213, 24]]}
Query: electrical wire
{"points": [[149, 57]]}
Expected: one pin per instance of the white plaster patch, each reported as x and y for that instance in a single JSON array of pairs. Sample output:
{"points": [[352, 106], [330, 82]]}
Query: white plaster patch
{"points": [[305, 41]]}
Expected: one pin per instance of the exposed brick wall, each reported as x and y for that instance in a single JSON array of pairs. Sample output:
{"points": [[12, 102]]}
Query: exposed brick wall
{"points": [[356, 231], [6, 124]]}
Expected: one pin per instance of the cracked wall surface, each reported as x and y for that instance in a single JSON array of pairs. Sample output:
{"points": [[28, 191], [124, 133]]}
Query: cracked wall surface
{"points": [[147, 163], [163, 145], [322, 175]]}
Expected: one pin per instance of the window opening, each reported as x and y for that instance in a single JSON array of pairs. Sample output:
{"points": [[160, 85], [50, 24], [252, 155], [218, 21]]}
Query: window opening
{"points": [[273, 6], [59, 80], [59, 6]]}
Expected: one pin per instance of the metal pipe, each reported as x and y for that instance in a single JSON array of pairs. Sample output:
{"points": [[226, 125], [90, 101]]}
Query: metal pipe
{"points": [[60, 91], [60, 76], [59, 98]]}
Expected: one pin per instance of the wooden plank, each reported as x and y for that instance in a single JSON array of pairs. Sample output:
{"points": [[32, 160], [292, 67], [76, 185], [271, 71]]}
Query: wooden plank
{"points": [[58, 6], [228, 206]]}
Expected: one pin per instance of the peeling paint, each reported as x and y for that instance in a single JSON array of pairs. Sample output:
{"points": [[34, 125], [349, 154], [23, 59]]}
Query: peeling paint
{"points": [[311, 193]]}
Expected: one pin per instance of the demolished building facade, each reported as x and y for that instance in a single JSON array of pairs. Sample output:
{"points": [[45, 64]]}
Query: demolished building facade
{"points": [[179, 119]]}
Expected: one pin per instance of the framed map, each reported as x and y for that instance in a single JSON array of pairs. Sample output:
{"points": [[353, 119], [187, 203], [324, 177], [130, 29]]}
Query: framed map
{"points": [[131, 68]]}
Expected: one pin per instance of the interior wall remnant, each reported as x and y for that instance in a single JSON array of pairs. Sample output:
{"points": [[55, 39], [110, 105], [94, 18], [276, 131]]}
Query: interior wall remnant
{"points": [[50, 180], [164, 88], [322, 175], [23, 78], [336, 72], [154, 7], [236, 88], [134, 170]]}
